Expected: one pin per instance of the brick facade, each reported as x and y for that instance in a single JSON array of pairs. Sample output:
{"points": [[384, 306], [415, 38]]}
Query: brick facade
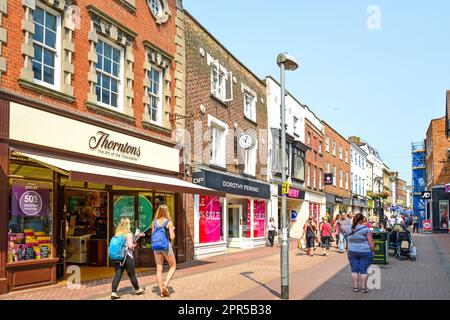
{"points": [[200, 104], [314, 158], [437, 159], [335, 161], [135, 17]]}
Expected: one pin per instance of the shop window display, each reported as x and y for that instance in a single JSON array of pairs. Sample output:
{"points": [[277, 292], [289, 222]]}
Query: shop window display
{"points": [[30, 221]]}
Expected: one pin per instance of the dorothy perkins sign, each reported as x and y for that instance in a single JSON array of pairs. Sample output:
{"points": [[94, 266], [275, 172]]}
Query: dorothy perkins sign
{"points": [[106, 145]]}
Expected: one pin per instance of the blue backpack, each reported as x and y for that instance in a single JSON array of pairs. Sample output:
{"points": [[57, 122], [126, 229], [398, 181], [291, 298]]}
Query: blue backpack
{"points": [[159, 239], [118, 248]]}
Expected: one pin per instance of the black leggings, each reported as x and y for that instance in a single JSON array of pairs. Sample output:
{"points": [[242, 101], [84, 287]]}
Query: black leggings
{"points": [[271, 237], [129, 267]]}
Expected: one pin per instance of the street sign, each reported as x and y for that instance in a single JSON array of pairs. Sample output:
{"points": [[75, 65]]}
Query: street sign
{"points": [[294, 216], [286, 188], [426, 195], [427, 226]]}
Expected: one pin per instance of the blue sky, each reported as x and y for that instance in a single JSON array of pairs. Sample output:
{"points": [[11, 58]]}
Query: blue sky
{"points": [[382, 85]]}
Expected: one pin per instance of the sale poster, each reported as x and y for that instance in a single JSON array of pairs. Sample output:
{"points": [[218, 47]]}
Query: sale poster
{"points": [[210, 219], [259, 217], [30, 200]]}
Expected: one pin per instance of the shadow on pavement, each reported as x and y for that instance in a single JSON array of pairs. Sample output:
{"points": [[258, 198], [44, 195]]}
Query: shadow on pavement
{"points": [[248, 276]]}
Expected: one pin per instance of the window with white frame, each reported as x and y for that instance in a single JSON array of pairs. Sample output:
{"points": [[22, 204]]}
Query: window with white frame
{"points": [[320, 147], [221, 81], [320, 179], [47, 46], [346, 181], [250, 160], [334, 176], [110, 66], [353, 183], [333, 148], [157, 7], [327, 144], [295, 126], [250, 105], [341, 179], [327, 167], [308, 174], [340, 153], [308, 139], [314, 177], [351, 155], [346, 156], [155, 77], [219, 131]]}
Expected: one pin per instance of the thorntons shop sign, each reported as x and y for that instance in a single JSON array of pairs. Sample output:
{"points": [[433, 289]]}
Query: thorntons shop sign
{"points": [[231, 184], [105, 145]]}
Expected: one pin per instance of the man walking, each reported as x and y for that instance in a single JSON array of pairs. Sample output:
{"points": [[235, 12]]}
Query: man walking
{"points": [[416, 224], [342, 223]]}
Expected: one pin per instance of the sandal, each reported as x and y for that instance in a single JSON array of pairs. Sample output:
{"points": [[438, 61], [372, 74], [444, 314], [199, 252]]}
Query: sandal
{"points": [[355, 290], [165, 291], [365, 290]]}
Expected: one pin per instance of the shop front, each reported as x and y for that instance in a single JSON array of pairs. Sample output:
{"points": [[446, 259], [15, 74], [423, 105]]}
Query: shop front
{"points": [[314, 206], [359, 205], [440, 209], [295, 200], [237, 220], [337, 205], [65, 185]]}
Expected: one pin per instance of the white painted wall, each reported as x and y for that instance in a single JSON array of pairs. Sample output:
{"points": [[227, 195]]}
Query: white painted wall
{"points": [[358, 170]]}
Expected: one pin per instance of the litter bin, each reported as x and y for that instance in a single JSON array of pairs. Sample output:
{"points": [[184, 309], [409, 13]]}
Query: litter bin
{"points": [[381, 254]]}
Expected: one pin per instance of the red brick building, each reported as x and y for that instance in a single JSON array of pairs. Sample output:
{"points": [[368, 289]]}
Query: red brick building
{"points": [[91, 92], [437, 145], [337, 163], [227, 124]]}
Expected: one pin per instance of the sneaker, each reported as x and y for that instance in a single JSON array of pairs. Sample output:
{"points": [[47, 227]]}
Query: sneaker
{"points": [[326, 254], [114, 296], [140, 291]]}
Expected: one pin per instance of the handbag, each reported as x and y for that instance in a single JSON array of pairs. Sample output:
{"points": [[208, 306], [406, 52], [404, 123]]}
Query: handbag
{"points": [[331, 236]]}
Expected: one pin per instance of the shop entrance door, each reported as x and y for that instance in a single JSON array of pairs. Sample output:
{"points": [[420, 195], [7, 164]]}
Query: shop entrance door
{"points": [[235, 222]]}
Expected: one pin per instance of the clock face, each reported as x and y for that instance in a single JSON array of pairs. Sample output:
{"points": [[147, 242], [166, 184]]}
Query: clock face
{"points": [[246, 141]]}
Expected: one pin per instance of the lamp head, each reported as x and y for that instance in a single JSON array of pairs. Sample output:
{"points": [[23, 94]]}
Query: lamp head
{"points": [[289, 61]]}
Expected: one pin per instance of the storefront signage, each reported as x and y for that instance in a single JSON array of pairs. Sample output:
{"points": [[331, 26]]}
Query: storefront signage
{"points": [[30, 200], [447, 188], [43, 128], [259, 218], [426, 195], [231, 184], [210, 219], [328, 179], [339, 199], [294, 193], [103, 143], [124, 208]]}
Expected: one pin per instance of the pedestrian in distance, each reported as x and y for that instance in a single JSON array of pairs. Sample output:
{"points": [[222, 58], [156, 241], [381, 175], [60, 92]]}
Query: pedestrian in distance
{"points": [[342, 223], [325, 235], [272, 230], [124, 236], [360, 251], [309, 233], [416, 224], [162, 248], [336, 229]]}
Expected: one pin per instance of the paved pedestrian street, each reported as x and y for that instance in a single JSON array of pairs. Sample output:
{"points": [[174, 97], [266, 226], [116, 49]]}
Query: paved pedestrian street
{"points": [[254, 274]]}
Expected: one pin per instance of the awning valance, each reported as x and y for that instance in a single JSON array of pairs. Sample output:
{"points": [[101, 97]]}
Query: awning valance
{"points": [[78, 171]]}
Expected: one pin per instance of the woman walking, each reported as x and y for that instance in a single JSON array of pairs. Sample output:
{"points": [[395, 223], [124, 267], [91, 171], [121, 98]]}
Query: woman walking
{"points": [[337, 229], [325, 235], [360, 251], [309, 232], [163, 222], [123, 230], [272, 229]]}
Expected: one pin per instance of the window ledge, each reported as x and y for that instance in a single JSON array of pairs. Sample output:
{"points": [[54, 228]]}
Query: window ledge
{"points": [[154, 127], [218, 167], [109, 113], [250, 120], [223, 103], [127, 5], [47, 91], [251, 176]]}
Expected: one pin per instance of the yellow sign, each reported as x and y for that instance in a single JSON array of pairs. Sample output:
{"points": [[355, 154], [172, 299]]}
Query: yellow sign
{"points": [[286, 188]]}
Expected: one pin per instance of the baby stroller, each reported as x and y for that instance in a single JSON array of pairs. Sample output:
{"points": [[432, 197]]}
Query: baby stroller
{"points": [[406, 248]]}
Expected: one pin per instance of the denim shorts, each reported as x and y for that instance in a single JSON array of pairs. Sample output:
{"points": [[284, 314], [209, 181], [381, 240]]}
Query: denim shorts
{"points": [[360, 261]]}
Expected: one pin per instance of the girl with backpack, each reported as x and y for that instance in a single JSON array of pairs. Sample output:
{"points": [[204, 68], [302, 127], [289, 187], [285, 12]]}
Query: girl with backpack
{"points": [[162, 247], [125, 240]]}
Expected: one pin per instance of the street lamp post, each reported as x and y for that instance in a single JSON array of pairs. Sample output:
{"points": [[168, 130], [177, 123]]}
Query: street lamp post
{"points": [[285, 62]]}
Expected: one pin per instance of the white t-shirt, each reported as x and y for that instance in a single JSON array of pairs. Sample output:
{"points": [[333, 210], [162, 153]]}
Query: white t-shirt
{"points": [[399, 220]]}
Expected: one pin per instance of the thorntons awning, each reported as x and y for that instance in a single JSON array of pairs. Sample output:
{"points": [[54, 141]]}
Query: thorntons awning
{"points": [[78, 171]]}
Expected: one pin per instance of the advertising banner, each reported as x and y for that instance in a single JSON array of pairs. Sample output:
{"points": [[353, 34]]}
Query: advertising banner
{"points": [[124, 208], [210, 219], [30, 200], [259, 217]]}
